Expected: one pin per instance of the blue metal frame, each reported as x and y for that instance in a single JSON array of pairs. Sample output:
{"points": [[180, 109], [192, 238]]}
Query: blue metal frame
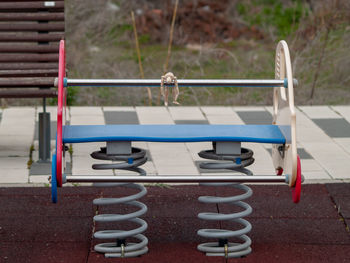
{"points": [[53, 179]]}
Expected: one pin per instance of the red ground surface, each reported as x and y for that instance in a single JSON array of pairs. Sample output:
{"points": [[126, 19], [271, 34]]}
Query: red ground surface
{"points": [[32, 229]]}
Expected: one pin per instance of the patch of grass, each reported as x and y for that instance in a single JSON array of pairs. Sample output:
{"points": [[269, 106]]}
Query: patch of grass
{"points": [[285, 19], [144, 39], [256, 96], [30, 161], [119, 29]]}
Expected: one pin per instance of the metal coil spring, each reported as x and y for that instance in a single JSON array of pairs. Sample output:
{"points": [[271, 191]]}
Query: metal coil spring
{"points": [[224, 247], [120, 247]]}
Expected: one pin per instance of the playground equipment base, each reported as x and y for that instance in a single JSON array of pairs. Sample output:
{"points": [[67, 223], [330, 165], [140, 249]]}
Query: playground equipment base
{"points": [[33, 230]]}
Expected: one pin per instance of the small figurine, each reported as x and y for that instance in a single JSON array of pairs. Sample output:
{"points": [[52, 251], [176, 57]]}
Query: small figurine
{"points": [[166, 80]]}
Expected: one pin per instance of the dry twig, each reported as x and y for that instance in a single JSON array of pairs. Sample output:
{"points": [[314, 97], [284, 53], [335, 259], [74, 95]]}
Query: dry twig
{"points": [[137, 46]]}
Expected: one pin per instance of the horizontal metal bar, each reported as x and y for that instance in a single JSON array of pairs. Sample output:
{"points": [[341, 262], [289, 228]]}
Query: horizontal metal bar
{"points": [[175, 179], [181, 82]]}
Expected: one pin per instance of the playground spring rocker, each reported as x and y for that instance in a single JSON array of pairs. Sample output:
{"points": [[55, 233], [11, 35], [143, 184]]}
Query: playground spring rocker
{"points": [[226, 153]]}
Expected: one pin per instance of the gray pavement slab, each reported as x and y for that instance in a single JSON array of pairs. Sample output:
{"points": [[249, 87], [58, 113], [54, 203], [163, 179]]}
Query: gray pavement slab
{"points": [[335, 128], [121, 117], [191, 122], [255, 117]]}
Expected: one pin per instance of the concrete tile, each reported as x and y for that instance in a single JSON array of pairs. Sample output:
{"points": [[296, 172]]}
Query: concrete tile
{"points": [[154, 115], [331, 157], [303, 154], [18, 121], [172, 158], [223, 119], [319, 112], [14, 170], [39, 179], [195, 148], [310, 165], [90, 111], [85, 149], [87, 120], [344, 143], [83, 166], [232, 118], [159, 149], [124, 108], [344, 111], [18, 111], [263, 162], [13, 162], [149, 168], [269, 109], [87, 116], [13, 176], [121, 117], [316, 175], [308, 131], [335, 128], [255, 117], [186, 168], [215, 110], [248, 108], [186, 113], [14, 145], [143, 145]]}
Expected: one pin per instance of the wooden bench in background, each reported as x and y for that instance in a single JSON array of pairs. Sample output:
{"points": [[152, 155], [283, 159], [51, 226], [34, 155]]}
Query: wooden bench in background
{"points": [[30, 32]]}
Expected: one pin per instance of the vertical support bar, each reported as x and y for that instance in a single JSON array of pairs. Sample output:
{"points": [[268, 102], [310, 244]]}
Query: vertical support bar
{"points": [[44, 104], [44, 136]]}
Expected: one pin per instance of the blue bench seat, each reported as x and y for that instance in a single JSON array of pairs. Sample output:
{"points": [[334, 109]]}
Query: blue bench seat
{"points": [[174, 133]]}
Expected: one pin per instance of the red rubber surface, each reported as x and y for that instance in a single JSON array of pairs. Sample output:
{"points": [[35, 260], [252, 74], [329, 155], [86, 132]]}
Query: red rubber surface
{"points": [[297, 188], [59, 144], [32, 229]]}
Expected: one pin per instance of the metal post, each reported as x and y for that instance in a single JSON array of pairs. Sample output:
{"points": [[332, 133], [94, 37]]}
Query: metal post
{"points": [[44, 134], [175, 179]]}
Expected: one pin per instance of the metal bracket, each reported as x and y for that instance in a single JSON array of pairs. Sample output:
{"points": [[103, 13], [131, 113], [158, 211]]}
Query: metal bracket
{"points": [[115, 148], [228, 148]]}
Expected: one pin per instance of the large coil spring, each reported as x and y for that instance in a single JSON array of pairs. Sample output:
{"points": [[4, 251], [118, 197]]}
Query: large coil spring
{"points": [[223, 247], [120, 247]]}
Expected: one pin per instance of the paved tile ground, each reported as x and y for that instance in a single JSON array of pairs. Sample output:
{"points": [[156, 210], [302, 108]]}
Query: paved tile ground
{"points": [[32, 229], [323, 135]]}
